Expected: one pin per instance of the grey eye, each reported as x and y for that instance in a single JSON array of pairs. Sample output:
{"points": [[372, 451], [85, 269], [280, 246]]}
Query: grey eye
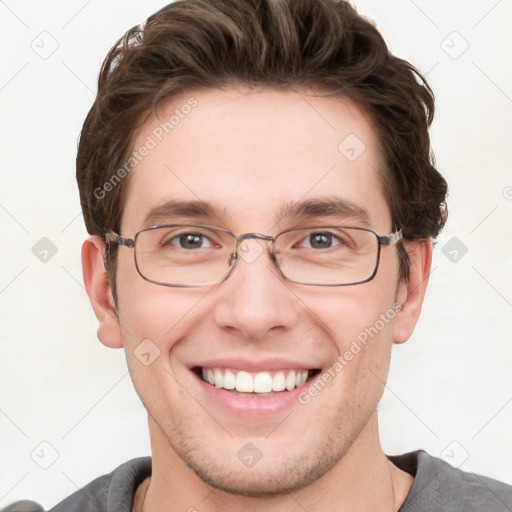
{"points": [[189, 241], [320, 240]]}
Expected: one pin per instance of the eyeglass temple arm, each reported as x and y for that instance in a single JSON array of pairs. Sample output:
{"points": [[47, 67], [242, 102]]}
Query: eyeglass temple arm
{"points": [[114, 238], [391, 239]]}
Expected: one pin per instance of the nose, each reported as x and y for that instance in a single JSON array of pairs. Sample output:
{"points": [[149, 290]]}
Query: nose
{"points": [[255, 300]]}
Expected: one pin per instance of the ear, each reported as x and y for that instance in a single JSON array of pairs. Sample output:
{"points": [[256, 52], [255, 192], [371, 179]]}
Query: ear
{"points": [[98, 288], [412, 292]]}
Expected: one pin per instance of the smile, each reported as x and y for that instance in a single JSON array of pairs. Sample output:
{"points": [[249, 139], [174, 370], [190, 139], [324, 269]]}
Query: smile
{"points": [[262, 382]]}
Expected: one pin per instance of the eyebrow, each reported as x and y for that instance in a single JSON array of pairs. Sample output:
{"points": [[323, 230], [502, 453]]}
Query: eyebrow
{"points": [[180, 208], [308, 210], [324, 207]]}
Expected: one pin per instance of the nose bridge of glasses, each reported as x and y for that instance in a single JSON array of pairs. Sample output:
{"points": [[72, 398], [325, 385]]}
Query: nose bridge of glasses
{"points": [[257, 236], [247, 251]]}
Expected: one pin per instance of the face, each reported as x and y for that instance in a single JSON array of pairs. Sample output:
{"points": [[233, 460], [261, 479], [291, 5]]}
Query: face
{"points": [[251, 155]]}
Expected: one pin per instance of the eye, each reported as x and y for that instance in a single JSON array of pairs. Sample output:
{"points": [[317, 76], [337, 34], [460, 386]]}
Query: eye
{"points": [[189, 241], [320, 240]]}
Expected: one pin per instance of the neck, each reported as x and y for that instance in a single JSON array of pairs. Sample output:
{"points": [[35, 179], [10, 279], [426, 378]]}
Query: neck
{"points": [[363, 479]]}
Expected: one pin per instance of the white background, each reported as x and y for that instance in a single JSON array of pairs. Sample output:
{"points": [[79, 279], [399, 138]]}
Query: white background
{"points": [[450, 388]]}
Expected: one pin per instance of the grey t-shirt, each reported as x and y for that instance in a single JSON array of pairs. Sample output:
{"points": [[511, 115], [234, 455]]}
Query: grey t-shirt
{"points": [[438, 487]]}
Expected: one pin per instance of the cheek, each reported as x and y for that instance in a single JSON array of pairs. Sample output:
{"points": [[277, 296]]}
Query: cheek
{"points": [[349, 313], [154, 321], [363, 342], [151, 311], [359, 322]]}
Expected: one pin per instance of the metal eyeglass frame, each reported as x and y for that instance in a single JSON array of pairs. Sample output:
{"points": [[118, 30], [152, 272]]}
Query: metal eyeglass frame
{"points": [[388, 240]]}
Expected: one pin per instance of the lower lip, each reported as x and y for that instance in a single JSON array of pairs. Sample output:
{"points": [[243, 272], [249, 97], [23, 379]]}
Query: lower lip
{"points": [[252, 405]]}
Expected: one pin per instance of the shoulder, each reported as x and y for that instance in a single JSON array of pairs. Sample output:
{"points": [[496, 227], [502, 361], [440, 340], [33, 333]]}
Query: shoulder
{"points": [[441, 487], [109, 493]]}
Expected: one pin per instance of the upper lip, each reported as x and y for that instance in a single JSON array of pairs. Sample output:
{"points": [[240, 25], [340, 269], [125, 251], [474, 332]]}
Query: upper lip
{"points": [[263, 365]]}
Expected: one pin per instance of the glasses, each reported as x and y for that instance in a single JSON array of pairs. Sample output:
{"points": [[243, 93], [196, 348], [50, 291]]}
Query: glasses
{"points": [[189, 255]]}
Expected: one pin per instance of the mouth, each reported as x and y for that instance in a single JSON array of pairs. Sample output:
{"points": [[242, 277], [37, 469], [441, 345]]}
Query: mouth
{"points": [[255, 384]]}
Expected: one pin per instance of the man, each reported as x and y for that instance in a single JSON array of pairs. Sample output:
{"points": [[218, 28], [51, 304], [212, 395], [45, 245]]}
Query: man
{"points": [[257, 180]]}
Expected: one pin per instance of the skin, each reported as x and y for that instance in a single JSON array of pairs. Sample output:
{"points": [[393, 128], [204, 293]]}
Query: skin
{"points": [[246, 151]]}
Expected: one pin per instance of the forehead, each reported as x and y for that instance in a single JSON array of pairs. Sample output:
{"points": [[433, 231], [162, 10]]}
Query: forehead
{"points": [[251, 156]]}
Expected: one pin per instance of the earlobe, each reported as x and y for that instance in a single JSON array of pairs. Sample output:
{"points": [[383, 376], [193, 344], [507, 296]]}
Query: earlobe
{"points": [[412, 292], [99, 290]]}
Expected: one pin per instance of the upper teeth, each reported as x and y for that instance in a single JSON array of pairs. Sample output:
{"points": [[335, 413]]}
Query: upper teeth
{"points": [[261, 382]]}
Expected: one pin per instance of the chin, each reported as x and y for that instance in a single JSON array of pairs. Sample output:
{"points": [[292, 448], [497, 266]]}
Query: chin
{"points": [[263, 482], [280, 474]]}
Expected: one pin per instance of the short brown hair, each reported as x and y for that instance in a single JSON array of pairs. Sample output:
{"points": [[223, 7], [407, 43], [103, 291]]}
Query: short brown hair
{"points": [[283, 44]]}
